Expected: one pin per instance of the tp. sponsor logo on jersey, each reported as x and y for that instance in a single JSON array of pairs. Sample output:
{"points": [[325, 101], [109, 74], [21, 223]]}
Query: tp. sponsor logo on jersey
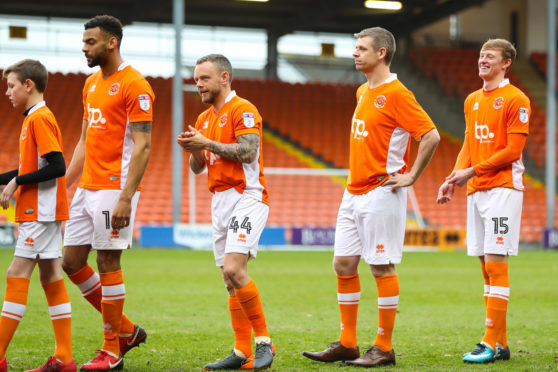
{"points": [[249, 119], [95, 118], [483, 133], [380, 101], [29, 242], [476, 106], [24, 133], [92, 89], [498, 103], [358, 128], [205, 124], [523, 114], [223, 121], [114, 88], [144, 102]]}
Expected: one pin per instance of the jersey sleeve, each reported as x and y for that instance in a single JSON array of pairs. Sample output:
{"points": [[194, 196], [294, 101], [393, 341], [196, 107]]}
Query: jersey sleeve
{"points": [[84, 98], [246, 119], [139, 99], [199, 121], [411, 116], [519, 113], [44, 134]]}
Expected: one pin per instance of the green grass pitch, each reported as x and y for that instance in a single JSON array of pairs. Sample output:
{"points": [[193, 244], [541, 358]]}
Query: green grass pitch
{"points": [[179, 297]]}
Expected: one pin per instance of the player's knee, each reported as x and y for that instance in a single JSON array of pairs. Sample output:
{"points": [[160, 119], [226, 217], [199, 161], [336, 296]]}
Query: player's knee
{"points": [[229, 273], [344, 266], [108, 261], [70, 267], [233, 276]]}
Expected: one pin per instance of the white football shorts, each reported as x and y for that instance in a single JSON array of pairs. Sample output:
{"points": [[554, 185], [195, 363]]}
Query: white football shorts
{"points": [[494, 221], [90, 220], [372, 225], [238, 222], [41, 240]]}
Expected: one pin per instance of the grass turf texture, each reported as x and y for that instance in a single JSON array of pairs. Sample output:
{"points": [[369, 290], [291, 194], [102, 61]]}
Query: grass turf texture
{"points": [[179, 298]]}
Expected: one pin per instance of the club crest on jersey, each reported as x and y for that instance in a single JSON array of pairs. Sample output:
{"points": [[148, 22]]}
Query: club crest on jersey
{"points": [[380, 101], [114, 88], [249, 119], [498, 103], [523, 114], [144, 102], [223, 121]]}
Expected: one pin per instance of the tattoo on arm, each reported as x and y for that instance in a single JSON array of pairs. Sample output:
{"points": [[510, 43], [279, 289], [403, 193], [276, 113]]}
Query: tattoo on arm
{"points": [[141, 126], [244, 151]]}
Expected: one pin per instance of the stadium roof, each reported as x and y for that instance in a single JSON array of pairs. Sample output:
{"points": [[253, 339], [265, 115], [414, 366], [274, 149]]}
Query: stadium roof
{"points": [[277, 16]]}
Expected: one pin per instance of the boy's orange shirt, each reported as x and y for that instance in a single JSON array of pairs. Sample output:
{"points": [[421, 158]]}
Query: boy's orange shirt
{"points": [[45, 201]]}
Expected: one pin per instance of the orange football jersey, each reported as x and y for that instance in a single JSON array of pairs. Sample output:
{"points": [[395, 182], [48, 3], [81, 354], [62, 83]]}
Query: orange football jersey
{"points": [[237, 117], [384, 119], [45, 201], [109, 106], [489, 117]]}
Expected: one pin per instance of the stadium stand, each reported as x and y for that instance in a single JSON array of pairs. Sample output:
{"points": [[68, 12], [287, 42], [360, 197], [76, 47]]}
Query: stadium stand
{"points": [[538, 59], [311, 119]]}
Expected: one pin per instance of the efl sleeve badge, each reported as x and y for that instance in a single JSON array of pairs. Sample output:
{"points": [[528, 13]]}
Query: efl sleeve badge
{"points": [[523, 115], [144, 101], [249, 119]]}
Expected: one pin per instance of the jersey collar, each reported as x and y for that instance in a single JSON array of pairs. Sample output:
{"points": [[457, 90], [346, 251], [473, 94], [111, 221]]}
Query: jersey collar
{"points": [[123, 65], [34, 108], [392, 77], [504, 83], [231, 95]]}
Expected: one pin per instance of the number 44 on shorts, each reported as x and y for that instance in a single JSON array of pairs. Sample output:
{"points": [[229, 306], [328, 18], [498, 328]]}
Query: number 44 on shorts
{"points": [[246, 225]]}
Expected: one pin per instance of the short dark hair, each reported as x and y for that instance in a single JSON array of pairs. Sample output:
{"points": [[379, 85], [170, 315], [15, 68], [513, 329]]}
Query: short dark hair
{"points": [[29, 69], [381, 38], [108, 24], [220, 61]]}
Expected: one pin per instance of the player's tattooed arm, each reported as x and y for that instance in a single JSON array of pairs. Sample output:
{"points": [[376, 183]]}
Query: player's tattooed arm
{"points": [[244, 151], [141, 126]]}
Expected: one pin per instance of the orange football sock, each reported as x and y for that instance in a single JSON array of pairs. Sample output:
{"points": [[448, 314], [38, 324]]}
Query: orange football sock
{"points": [[112, 303], [486, 283], [249, 299], [388, 299], [15, 302], [61, 316], [89, 283], [348, 298], [241, 326], [497, 306]]}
